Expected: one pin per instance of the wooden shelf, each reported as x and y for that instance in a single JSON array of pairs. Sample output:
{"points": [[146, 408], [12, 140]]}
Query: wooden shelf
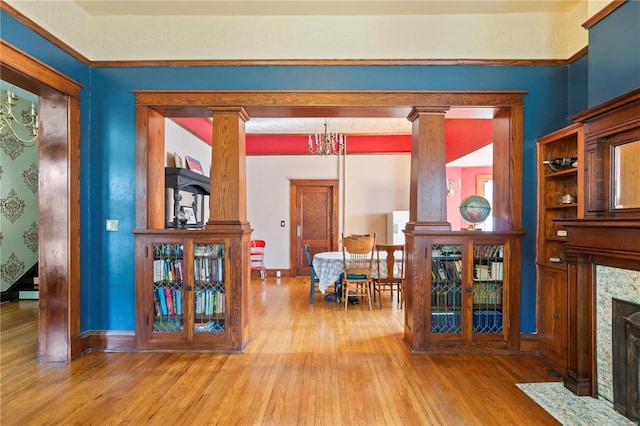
{"points": [[562, 173], [561, 206], [559, 239], [552, 277]]}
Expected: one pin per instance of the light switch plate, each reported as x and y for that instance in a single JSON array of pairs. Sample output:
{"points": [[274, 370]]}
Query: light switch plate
{"points": [[112, 225]]}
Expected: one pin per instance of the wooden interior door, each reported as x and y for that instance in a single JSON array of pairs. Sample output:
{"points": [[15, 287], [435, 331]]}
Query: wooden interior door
{"points": [[314, 220]]}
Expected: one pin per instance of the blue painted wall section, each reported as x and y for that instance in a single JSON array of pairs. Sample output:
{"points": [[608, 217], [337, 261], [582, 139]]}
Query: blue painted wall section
{"points": [[578, 80], [39, 47], [108, 141], [614, 54]]}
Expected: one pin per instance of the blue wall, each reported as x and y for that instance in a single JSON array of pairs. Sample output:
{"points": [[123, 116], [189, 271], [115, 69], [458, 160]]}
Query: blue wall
{"points": [[108, 145], [114, 104], [578, 79], [614, 54]]}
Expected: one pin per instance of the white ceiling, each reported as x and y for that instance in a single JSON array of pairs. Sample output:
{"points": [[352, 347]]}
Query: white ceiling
{"points": [[319, 7]]}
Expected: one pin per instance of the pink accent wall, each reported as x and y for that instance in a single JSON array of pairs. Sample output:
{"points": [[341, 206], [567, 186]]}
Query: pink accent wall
{"points": [[466, 184]]}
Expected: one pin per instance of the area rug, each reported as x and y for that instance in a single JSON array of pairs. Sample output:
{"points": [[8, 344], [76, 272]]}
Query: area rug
{"points": [[570, 409]]}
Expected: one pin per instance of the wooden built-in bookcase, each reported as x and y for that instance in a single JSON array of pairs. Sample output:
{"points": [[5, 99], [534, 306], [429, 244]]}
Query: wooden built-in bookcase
{"points": [[556, 186]]}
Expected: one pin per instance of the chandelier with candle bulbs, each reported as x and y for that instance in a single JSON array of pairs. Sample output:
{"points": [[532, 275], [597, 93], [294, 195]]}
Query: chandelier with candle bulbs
{"points": [[327, 143], [8, 120]]}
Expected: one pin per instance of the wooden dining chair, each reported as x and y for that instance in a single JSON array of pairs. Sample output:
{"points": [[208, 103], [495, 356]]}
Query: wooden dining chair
{"points": [[312, 274], [393, 279], [357, 255]]}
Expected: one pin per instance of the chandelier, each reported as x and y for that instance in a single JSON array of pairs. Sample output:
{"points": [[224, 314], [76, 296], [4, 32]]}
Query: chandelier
{"points": [[8, 120], [327, 143]]}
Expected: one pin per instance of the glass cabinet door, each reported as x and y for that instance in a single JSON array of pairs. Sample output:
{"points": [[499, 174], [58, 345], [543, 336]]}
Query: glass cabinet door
{"points": [[168, 287], [209, 288], [488, 288], [446, 288]]}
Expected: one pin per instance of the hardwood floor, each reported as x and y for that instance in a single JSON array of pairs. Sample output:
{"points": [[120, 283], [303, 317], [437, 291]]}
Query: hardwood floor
{"points": [[306, 364]]}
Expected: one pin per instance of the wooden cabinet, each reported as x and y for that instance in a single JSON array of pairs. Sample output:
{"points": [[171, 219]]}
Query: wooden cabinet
{"points": [[560, 196], [186, 291], [473, 291], [553, 314]]}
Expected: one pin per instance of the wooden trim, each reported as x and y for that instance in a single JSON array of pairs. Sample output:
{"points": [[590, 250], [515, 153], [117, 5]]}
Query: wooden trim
{"points": [[590, 242], [108, 341], [603, 13], [327, 62], [26, 64], [578, 55], [59, 197], [44, 33], [610, 105], [316, 103], [73, 189]]}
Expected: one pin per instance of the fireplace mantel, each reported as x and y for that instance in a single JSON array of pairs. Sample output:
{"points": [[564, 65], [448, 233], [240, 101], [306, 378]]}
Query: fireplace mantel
{"points": [[590, 242]]}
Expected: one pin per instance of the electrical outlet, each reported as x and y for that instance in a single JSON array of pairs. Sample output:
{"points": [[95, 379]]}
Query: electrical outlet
{"points": [[277, 274], [112, 225], [282, 223]]}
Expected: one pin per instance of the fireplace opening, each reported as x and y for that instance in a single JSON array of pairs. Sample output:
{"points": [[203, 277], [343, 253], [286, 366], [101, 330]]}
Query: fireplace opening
{"points": [[626, 358]]}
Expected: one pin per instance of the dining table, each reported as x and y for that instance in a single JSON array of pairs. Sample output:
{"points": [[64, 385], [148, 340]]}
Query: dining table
{"points": [[329, 267]]}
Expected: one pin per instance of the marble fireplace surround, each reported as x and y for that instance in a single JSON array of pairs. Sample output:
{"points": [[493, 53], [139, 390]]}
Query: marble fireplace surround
{"points": [[604, 262]]}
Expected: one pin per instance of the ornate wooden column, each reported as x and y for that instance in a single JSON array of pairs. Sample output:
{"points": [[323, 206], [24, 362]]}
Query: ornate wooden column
{"points": [[427, 213], [228, 210]]}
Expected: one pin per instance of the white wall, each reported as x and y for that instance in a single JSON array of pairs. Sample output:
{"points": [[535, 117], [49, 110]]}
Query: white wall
{"points": [[375, 185]]}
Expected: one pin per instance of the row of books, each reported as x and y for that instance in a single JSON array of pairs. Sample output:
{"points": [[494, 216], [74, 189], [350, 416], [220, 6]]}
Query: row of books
{"points": [[209, 301], [216, 250], [208, 269], [487, 294], [167, 270], [167, 300], [491, 251], [446, 269], [493, 271], [446, 296], [168, 251]]}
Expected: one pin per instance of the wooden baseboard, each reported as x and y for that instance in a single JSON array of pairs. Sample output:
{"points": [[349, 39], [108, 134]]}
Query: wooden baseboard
{"points": [[529, 343], [108, 341], [272, 273]]}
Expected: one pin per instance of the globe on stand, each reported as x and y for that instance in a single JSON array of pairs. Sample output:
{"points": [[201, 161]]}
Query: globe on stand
{"points": [[475, 209]]}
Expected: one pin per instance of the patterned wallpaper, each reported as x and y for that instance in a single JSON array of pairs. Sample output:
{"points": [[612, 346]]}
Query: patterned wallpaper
{"points": [[18, 200]]}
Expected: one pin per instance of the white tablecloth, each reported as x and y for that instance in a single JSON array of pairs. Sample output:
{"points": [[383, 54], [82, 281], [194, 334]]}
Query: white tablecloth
{"points": [[328, 266]]}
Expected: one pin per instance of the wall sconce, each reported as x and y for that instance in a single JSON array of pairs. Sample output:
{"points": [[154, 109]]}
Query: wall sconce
{"points": [[452, 186]]}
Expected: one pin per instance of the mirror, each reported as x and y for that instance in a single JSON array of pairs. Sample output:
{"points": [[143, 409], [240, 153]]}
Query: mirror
{"points": [[626, 176]]}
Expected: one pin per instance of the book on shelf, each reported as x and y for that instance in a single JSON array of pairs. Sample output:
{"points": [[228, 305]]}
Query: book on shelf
{"points": [[497, 270], [488, 251], [487, 293], [169, 300], [158, 270], [209, 301], [162, 300], [481, 272]]}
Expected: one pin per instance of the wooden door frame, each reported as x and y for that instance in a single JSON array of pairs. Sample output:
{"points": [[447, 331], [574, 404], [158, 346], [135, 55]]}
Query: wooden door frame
{"points": [[293, 214], [59, 337]]}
